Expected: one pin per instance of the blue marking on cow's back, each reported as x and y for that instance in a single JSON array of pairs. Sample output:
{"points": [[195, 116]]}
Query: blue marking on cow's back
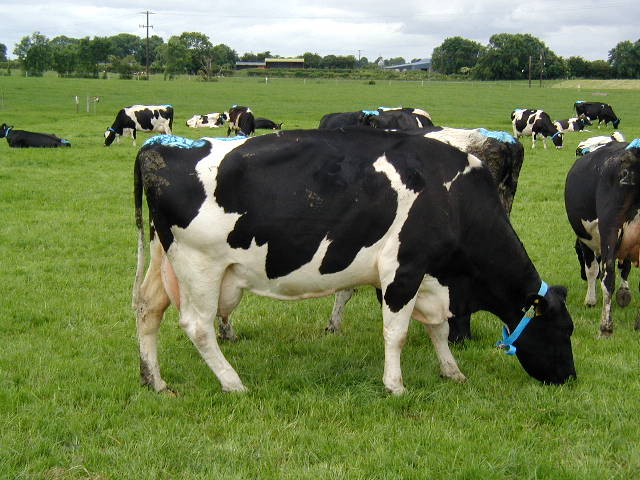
{"points": [[370, 112], [579, 101], [635, 143], [64, 141], [504, 137], [175, 141]]}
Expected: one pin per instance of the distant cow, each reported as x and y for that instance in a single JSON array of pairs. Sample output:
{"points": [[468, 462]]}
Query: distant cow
{"points": [[303, 213], [343, 119], [574, 124], [266, 124], [422, 118], [399, 119], [25, 139], [503, 156], [594, 143], [597, 111], [146, 118], [241, 120], [527, 122], [602, 199], [210, 120]]}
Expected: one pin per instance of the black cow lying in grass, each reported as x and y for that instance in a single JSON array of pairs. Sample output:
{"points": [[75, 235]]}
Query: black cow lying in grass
{"points": [[23, 138]]}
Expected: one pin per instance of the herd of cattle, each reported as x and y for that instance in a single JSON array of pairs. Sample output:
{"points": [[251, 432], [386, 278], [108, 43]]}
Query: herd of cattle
{"points": [[375, 197]]}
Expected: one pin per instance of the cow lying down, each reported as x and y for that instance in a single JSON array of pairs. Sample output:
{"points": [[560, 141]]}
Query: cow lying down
{"points": [[593, 143], [25, 139], [304, 213]]}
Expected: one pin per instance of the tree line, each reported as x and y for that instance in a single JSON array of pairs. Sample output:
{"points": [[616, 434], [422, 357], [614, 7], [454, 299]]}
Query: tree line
{"points": [[506, 57]]}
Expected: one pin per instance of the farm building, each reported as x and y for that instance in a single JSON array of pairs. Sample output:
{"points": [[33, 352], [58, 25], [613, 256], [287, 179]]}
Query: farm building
{"points": [[422, 64], [273, 63]]}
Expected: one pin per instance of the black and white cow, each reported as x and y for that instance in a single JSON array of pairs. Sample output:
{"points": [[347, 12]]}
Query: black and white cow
{"points": [[209, 120], [597, 111], [146, 118], [602, 199], [527, 122], [574, 124], [503, 156], [401, 118], [344, 119], [266, 124], [25, 139], [240, 121], [593, 143], [303, 213]]}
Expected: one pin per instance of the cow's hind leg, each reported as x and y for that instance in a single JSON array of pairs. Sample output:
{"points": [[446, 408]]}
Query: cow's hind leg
{"points": [[339, 302], [459, 328], [150, 305], [591, 267], [623, 295], [199, 295]]}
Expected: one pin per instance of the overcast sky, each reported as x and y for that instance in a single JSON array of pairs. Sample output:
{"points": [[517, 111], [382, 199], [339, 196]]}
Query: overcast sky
{"points": [[369, 28]]}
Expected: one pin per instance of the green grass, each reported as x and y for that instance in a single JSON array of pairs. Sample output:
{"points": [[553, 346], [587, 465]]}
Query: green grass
{"points": [[70, 403]]}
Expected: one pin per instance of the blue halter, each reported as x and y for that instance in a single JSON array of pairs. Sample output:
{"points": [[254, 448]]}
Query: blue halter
{"points": [[506, 344], [554, 135]]}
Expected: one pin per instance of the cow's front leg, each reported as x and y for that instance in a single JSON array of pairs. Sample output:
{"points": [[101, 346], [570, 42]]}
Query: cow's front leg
{"points": [[339, 302]]}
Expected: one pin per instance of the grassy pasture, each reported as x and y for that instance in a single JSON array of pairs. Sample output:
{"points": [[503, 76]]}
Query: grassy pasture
{"points": [[70, 403]]}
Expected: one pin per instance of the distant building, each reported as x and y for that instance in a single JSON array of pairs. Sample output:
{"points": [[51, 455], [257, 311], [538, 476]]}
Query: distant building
{"points": [[422, 64], [273, 63]]}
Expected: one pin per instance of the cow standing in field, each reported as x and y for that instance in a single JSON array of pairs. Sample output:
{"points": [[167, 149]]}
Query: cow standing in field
{"points": [[303, 213], [575, 124], [597, 111], [26, 139], [240, 120], [527, 122], [146, 118], [602, 199], [594, 143], [503, 156], [209, 120]]}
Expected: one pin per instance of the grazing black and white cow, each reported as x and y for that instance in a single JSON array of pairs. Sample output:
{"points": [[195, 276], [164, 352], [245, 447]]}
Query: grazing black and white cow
{"points": [[345, 119], [602, 199], [266, 124], [503, 156], [146, 118], [303, 213], [574, 124], [25, 139], [597, 111], [527, 122], [417, 118], [593, 143], [210, 120], [240, 121]]}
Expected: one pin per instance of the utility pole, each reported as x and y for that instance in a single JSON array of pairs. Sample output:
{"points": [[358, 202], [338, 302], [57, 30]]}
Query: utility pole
{"points": [[147, 26], [529, 71], [541, 66]]}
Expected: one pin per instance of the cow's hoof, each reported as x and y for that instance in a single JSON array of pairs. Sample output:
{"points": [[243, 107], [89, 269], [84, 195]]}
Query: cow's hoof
{"points": [[396, 390], [605, 333], [235, 389], [456, 377], [623, 297], [459, 338], [167, 390]]}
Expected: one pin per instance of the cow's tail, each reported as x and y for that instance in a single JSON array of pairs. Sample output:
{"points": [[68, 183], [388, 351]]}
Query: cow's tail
{"points": [[137, 195]]}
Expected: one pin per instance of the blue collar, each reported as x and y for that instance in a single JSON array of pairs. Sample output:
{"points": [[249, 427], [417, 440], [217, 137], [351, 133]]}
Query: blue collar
{"points": [[6, 132], [112, 129], [554, 135], [507, 341]]}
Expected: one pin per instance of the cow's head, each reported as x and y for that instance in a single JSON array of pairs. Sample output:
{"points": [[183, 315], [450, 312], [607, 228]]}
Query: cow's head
{"points": [[584, 119], [544, 347], [556, 138], [616, 122], [109, 136], [4, 130]]}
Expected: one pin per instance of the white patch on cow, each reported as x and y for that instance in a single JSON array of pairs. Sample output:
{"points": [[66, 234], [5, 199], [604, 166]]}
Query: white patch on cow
{"points": [[592, 229], [474, 162], [432, 303]]}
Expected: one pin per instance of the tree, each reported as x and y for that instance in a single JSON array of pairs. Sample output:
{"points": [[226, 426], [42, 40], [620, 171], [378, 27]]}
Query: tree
{"points": [[91, 53], [255, 57], [600, 69], [125, 66], [507, 58], [175, 56], [36, 54], [3, 52], [224, 55], [312, 60], [624, 59], [200, 54], [126, 44], [394, 61], [455, 53], [578, 67]]}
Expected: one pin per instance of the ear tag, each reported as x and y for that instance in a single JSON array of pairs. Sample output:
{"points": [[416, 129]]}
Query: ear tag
{"points": [[532, 311]]}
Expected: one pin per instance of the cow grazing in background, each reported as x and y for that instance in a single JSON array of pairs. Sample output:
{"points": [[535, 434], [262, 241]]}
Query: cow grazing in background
{"points": [[594, 143], [25, 139], [503, 156], [597, 111], [303, 213], [602, 199], [399, 119], [210, 120], [421, 117], [241, 121], [344, 119], [527, 122], [574, 124], [146, 118], [266, 124]]}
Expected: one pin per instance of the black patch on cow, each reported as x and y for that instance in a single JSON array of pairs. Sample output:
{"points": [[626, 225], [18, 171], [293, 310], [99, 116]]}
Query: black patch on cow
{"points": [[144, 118], [174, 198], [204, 119]]}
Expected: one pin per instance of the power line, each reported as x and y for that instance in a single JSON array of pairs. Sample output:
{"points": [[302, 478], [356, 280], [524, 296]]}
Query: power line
{"points": [[147, 26]]}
